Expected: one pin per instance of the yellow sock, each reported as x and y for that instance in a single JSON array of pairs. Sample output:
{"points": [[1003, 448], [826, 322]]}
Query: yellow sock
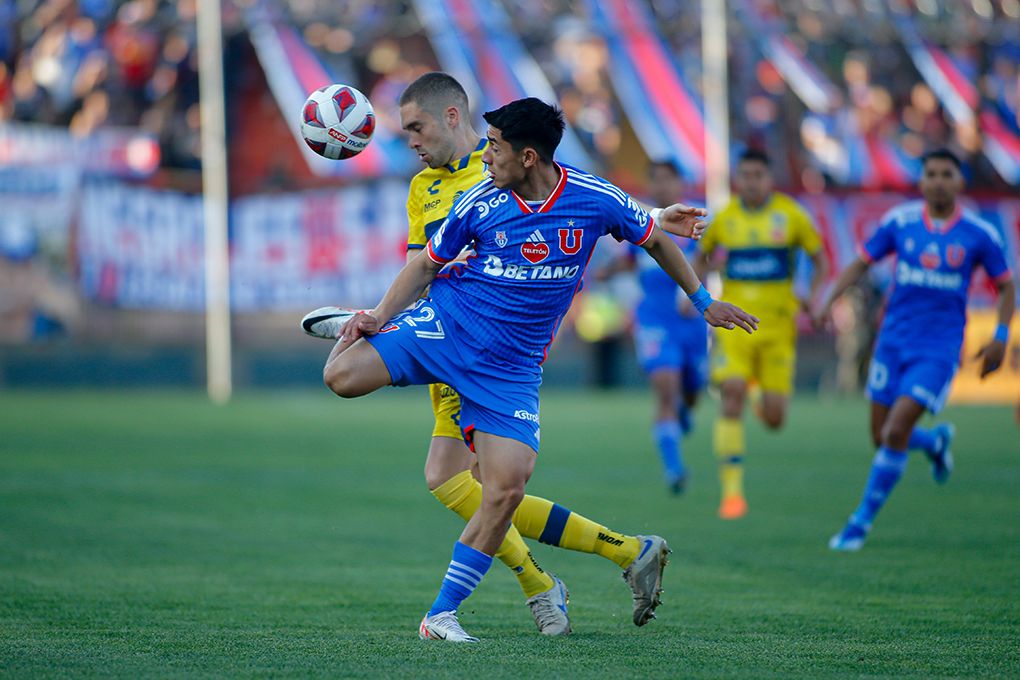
{"points": [[554, 524], [463, 494], [729, 449]]}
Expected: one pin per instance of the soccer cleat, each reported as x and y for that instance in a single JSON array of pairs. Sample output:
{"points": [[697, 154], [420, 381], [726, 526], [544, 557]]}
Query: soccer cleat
{"points": [[850, 539], [644, 576], [550, 609], [678, 484], [443, 626], [942, 458], [326, 322], [733, 507]]}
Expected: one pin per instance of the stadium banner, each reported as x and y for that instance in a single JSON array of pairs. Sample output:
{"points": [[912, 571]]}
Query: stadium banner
{"points": [[41, 172], [38, 204], [139, 248], [293, 251], [143, 248]]}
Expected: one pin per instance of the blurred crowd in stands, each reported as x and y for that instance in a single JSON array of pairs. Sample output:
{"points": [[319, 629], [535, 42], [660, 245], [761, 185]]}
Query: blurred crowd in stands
{"points": [[91, 63]]}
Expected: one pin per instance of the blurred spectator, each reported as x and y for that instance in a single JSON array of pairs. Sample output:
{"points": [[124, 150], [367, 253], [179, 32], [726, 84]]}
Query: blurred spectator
{"points": [[33, 305], [91, 63]]}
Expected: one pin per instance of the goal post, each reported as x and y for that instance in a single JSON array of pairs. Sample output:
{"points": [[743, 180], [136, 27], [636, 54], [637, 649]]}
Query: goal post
{"points": [[214, 201]]}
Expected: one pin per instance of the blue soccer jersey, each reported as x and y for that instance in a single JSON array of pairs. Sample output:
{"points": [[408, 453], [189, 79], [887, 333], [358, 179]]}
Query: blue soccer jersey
{"points": [[659, 292], [510, 297], [927, 310]]}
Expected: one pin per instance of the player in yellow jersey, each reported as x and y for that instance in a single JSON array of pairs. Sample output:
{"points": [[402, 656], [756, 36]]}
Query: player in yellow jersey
{"points": [[434, 114], [755, 239]]}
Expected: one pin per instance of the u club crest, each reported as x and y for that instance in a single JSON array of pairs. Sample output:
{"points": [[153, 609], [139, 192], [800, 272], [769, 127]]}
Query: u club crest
{"points": [[955, 255], [501, 239]]}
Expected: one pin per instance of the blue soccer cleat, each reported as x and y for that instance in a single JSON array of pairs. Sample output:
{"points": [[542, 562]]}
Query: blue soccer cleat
{"points": [[851, 539], [942, 458], [677, 485]]}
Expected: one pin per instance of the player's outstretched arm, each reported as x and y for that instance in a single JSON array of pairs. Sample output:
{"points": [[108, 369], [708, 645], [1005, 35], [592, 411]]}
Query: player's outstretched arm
{"points": [[992, 354], [682, 220], [848, 277], [820, 271], [716, 312], [405, 289]]}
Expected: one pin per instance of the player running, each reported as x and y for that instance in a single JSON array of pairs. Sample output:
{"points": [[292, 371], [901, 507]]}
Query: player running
{"points": [[758, 234], [434, 113], [937, 247], [487, 323], [670, 337]]}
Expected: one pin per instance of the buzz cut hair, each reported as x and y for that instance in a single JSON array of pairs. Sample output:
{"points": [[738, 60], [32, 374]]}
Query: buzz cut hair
{"points": [[434, 92]]}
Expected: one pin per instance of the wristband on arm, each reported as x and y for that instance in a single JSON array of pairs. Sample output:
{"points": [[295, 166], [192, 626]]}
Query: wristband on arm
{"points": [[1001, 333], [701, 299]]}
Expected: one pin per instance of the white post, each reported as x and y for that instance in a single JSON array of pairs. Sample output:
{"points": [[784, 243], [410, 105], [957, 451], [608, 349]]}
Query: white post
{"points": [[214, 190], [715, 84]]}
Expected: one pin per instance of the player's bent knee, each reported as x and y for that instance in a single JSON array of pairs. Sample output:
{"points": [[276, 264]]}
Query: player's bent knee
{"points": [[435, 477], [341, 377], [504, 500], [895, 435], [774, 419]]}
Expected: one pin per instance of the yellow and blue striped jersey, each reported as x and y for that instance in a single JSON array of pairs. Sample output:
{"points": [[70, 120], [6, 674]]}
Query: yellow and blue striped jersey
{"points": [[761, 252], [433, 192]]}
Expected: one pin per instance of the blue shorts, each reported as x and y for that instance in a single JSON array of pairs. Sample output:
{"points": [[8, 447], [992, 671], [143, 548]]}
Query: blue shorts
{"points": [[923, 379], [668, 345], [422, 346]]}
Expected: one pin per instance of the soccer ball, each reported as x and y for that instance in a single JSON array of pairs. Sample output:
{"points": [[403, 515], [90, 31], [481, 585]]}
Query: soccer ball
{"points": [[337, 121]]}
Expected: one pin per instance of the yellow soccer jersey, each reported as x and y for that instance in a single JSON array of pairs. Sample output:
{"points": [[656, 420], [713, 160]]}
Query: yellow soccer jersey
{"points": [[761, 253], [433, 192]]}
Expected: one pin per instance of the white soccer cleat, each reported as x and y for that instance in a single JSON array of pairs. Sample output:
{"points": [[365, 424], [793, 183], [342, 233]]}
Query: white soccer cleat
{"points": [[850, 539], [326, 322], [550, 609], [644, 576], [443, 626]]}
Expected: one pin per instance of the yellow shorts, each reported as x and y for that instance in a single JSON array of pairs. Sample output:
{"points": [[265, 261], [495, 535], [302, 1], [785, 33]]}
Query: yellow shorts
{"points": [[768, 356], [446, 407]]}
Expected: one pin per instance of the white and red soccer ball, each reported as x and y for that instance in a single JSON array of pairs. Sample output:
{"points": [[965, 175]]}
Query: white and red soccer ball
{"points": [[337, 121]]}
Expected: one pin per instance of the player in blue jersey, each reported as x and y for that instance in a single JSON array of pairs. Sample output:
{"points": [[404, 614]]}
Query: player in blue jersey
{"points": [[938, 245], [487, 323], [670, 337]]}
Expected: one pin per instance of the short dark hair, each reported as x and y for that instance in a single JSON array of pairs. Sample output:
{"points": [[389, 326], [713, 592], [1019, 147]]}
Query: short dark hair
{"points": [[943, 154], [529, 122], [434, 92], [755, 155], [664, 164]]}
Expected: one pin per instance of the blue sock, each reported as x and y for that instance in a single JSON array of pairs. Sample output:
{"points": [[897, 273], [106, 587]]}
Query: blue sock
{"points": [[684, 413], [920, 438], [886, 469], [667, 437], [465, 572]]}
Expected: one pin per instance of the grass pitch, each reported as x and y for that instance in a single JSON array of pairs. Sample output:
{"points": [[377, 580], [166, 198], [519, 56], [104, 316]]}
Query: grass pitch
{"points": [[292, 535]]}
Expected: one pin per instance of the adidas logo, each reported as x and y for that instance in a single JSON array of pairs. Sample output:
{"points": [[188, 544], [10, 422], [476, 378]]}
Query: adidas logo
{"points": [[536, 237]]}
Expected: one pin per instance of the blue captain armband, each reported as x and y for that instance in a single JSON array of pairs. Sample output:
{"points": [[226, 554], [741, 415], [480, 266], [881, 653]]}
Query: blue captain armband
{"points": [[1001, 333], [701, 299]]}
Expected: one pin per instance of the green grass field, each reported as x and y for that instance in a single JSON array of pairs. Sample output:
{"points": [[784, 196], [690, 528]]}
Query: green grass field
{"points": [[292, 535]]}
